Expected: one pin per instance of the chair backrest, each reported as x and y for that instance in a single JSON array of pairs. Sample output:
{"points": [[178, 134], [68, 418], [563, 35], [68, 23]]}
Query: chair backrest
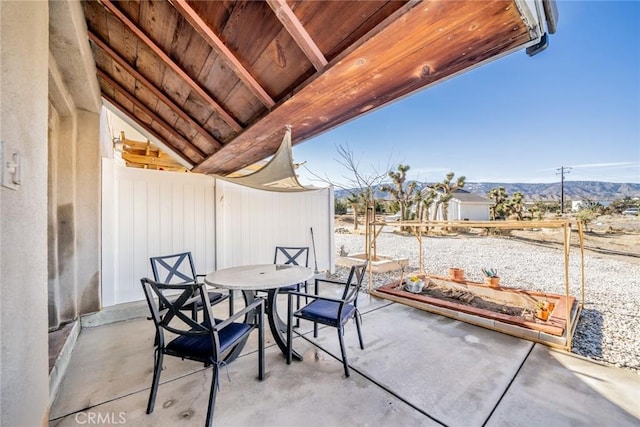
{"points": [[292, 255], [173, 269], [354, 283], [169, 313]]}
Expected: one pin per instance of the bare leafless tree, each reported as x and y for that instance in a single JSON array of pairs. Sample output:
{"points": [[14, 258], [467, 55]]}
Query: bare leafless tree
{"points": [[360, 185]]}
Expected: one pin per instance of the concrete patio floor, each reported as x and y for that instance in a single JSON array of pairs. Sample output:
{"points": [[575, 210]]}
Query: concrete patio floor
{"points": [[417, 369]]}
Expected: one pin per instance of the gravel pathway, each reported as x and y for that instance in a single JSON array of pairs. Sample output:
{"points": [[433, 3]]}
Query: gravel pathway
{"points": [[609, 326]]}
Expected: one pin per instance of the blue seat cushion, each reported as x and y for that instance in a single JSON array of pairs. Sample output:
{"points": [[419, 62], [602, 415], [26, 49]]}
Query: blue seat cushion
{"points": [[326, 312], [201, 346], [213, 298], [289, 288]]}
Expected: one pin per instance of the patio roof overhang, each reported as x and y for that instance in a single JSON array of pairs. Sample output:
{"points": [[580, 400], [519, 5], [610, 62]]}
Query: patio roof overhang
{"points": [[218, 81]]}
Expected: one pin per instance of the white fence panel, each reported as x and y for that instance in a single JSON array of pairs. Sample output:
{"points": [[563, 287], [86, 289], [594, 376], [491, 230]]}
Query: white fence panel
{"points": [[149, 213], [250, 223]]}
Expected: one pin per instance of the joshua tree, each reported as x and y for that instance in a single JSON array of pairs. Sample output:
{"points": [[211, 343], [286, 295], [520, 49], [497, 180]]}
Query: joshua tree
{"points": [[499, 196], [404, 195], [446, 189], [426, 202], [515, 205]]}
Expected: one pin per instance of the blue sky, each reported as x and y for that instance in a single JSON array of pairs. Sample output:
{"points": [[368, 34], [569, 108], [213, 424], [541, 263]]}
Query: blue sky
{"points": [[517, 119]]}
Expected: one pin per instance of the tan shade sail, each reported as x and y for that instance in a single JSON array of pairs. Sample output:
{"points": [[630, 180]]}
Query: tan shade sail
{"points": [[277, 175]]}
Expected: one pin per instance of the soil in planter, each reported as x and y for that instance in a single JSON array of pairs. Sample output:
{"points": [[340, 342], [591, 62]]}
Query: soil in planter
{"points": [[459, 296]]}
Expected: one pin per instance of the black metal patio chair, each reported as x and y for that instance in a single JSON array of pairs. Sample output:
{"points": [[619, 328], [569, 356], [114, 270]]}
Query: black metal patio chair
{"points": [[209, 341], [293, 255], [328, 311], [180, 269]]}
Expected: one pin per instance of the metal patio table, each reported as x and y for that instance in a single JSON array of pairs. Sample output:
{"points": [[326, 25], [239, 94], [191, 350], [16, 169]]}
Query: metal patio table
{"points": [[262, 277]]}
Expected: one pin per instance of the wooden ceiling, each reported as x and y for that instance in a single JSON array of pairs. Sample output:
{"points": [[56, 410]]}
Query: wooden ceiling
{"points": [[217, 81]]}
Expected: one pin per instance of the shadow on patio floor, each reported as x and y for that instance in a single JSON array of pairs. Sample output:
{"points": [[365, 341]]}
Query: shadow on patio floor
{"points": [[417, 369]]}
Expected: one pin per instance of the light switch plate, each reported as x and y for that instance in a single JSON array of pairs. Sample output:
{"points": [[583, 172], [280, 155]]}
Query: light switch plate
{"points": [[10, 166]]}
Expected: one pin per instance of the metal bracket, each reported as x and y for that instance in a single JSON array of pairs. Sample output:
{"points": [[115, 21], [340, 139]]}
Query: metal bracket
{"points": [[11, 173]]}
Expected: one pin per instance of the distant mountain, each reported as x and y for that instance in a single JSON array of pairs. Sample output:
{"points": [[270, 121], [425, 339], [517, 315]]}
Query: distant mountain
{"points": [[573, 190]]}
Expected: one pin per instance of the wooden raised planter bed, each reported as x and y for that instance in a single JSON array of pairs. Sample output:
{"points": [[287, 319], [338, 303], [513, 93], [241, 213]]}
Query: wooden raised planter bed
{"points": [[552, 331]]}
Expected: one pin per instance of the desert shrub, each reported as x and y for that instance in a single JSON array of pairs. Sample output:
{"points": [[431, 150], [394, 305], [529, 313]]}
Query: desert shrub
{"points": [[586, 216], [340, 207]]}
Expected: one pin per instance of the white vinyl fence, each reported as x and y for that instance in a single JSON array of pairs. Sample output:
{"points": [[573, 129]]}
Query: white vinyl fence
{"points": [[148, 213], [250, 223]]}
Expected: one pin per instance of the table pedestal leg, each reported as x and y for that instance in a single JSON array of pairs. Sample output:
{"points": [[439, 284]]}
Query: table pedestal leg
{"points": [[276, 324], [278, 327]]}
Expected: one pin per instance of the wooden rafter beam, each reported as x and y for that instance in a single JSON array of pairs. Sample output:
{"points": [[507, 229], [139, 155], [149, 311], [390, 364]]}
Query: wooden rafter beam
{"points": [[219, 47], [346, 91], [171, 64], [116, 86], [157, 92], [300, 35]]}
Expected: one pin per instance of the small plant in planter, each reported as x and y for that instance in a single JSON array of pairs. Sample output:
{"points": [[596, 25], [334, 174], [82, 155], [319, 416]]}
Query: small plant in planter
{"points": [[414, 284], [491, 277], [456, 273]]}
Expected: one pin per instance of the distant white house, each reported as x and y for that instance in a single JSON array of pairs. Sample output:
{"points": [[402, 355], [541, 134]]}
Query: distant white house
{"points": [[466, 206], [576, 205]]}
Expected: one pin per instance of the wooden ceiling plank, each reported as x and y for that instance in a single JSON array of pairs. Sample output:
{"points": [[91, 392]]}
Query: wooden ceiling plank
{"points": [[379, 59], [171, 64], [440, 59], [359, 18], [104, 76], [293, 25], [216, 44], [290, 64], [157, 92], [409, 87], [199, 141], [159, 21], [270, 55], [358, 72]]}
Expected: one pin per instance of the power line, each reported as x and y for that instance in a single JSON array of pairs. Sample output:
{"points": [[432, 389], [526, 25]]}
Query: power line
{"points": [[562, 170]]}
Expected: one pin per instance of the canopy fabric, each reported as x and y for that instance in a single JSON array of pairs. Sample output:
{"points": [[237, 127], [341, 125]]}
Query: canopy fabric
{"points": [[277, 175]]}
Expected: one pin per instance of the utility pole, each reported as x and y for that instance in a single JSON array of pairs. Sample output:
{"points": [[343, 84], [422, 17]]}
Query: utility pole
{"points": [[562, 171]]}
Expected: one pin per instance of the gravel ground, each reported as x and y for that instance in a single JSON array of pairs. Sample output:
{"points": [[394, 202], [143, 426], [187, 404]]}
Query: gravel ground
{"points": [[609, 326]]}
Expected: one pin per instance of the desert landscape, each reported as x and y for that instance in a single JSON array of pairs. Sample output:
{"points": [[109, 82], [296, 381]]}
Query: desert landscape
{"points": [[608, 328], [608, 234]]}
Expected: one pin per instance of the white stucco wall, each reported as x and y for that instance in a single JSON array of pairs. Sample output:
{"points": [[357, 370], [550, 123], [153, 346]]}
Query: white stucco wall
{"points": [[460, 211], [470, 211], [24, 385]]}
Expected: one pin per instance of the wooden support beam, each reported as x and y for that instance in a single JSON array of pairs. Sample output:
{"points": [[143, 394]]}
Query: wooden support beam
{"points": [[129, 114], [217, 45], [151, 161], [295, 28], [157, 92], [171, 64], [104, 76]]}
